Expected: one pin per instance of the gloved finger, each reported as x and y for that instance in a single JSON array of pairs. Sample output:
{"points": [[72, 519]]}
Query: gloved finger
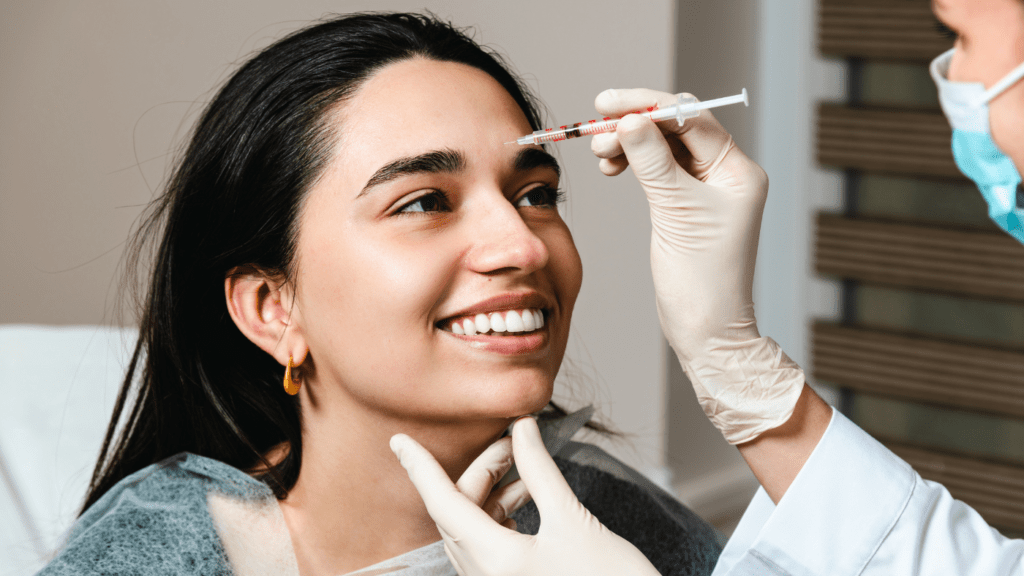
{"points": [[702, 135], [606, 145], [506, 500], [484, 473], [540, 473], [456, 517], [649, 154], [454, 560], [464, 559], [613, 166], [634, 101], [617, 103]]}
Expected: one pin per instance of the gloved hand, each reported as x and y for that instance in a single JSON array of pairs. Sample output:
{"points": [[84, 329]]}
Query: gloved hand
{"points": [[570, 541], [478, 482], [706, 199]]}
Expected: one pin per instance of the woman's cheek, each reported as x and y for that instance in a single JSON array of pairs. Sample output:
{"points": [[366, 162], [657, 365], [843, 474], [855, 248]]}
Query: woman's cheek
{"points": [[569, 264]]}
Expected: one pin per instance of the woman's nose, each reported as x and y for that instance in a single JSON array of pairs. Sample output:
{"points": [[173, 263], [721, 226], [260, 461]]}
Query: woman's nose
{"points": [[504, 242]]}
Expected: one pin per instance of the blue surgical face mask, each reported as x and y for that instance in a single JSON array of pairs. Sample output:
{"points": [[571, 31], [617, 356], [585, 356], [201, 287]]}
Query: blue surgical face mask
{"points": [[966, 107]]}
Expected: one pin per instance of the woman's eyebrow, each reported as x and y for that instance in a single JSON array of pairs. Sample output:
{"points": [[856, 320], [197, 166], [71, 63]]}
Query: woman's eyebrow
{"points": [[530, 158], [446, 160]]}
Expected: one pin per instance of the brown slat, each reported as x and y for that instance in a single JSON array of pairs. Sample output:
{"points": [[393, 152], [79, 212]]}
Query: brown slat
{"points": [[920, 369], [886, 141], [972, 263], [880, 29], [995, 490]]}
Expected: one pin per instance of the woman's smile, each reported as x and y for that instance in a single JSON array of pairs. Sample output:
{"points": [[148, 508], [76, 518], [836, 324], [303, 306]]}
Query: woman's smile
{"points": [[509, 324], [522, 343]]}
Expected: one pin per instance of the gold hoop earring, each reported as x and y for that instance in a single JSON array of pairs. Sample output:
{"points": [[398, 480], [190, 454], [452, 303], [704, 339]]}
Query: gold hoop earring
{"points": [[290, 386]]}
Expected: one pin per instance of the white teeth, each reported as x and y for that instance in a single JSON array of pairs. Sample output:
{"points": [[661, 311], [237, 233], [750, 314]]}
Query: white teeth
{"points": [[497, 323], [482, 323], [529, 321], [514, 322]]}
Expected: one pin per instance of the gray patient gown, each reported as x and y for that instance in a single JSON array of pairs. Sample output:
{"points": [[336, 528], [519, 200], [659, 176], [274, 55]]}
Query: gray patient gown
{"points": [[194, 515]]}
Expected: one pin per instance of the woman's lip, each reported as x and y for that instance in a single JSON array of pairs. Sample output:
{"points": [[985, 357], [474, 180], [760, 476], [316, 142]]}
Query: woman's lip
{"points": [[510, 345], [504, 303]]}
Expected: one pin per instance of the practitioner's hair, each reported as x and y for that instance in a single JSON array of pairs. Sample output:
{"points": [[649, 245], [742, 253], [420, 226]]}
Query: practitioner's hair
{"points": [[195, 383]]}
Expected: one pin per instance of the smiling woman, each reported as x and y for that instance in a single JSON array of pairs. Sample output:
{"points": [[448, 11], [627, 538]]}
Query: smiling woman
{"points": [[348, 219]]}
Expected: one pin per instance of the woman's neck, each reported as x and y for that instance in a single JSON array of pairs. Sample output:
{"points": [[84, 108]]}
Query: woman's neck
{"points": [[353, 504]]}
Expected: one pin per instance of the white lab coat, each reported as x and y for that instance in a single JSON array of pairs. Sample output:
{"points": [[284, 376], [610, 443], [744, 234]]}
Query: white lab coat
{"points": [[857, 509]]}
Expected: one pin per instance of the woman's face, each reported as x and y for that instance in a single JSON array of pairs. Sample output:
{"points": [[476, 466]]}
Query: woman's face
{"points": [[424, 217], [990, 43]]}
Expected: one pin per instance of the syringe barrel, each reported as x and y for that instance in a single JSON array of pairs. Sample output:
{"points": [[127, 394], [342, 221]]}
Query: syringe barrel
{"points": [[574, 131]]}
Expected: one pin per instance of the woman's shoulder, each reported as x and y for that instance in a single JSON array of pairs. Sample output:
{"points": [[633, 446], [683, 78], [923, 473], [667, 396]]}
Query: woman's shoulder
{"points": [[673, 537], [155, 521]]}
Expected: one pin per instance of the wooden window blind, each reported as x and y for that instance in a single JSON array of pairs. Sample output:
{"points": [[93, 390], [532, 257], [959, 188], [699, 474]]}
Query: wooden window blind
{"points": [[913, 245]]}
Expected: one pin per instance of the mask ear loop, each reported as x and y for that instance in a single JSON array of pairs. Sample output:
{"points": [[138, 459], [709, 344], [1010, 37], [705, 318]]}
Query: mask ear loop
{"points": [[999, 87]]}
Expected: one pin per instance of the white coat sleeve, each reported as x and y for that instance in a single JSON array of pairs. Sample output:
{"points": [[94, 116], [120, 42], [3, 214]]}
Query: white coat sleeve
{"points": [[856, 508]]}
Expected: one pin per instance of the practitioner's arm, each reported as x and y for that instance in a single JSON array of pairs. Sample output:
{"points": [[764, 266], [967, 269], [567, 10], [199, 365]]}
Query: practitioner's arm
{"points": [[777, 455]]}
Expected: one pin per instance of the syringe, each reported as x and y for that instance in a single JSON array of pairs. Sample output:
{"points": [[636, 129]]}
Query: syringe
{"points": [[684, 108]]}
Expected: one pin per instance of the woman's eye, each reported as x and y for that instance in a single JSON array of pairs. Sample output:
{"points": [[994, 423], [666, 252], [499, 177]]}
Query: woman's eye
{"points": [[433, 202], [542, 196]]}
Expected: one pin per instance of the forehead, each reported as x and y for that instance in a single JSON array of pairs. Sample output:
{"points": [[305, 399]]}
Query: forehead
{"points": [[417, 105]]}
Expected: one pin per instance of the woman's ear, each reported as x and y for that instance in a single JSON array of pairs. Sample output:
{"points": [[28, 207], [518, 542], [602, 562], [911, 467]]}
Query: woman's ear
{"points": [[262, 307]]}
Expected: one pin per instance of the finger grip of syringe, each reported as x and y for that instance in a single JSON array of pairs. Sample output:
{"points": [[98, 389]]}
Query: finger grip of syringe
{"points": [[688, 107]]}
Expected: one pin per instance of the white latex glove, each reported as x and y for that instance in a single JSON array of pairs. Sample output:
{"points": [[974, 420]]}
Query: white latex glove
{"points": [[570, 541], [706, 199], [478, 482]]}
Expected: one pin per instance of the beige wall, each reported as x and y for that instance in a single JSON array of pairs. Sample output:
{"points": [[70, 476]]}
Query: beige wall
{"points": [[717, 55], [94, 97]]}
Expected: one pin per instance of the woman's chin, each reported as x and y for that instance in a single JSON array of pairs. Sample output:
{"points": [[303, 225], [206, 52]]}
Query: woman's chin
{"points": [[529, 407], [506, 398], [525, 404]]}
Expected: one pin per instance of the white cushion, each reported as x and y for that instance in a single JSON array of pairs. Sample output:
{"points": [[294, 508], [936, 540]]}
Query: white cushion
{"points": [[59, 388]]}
